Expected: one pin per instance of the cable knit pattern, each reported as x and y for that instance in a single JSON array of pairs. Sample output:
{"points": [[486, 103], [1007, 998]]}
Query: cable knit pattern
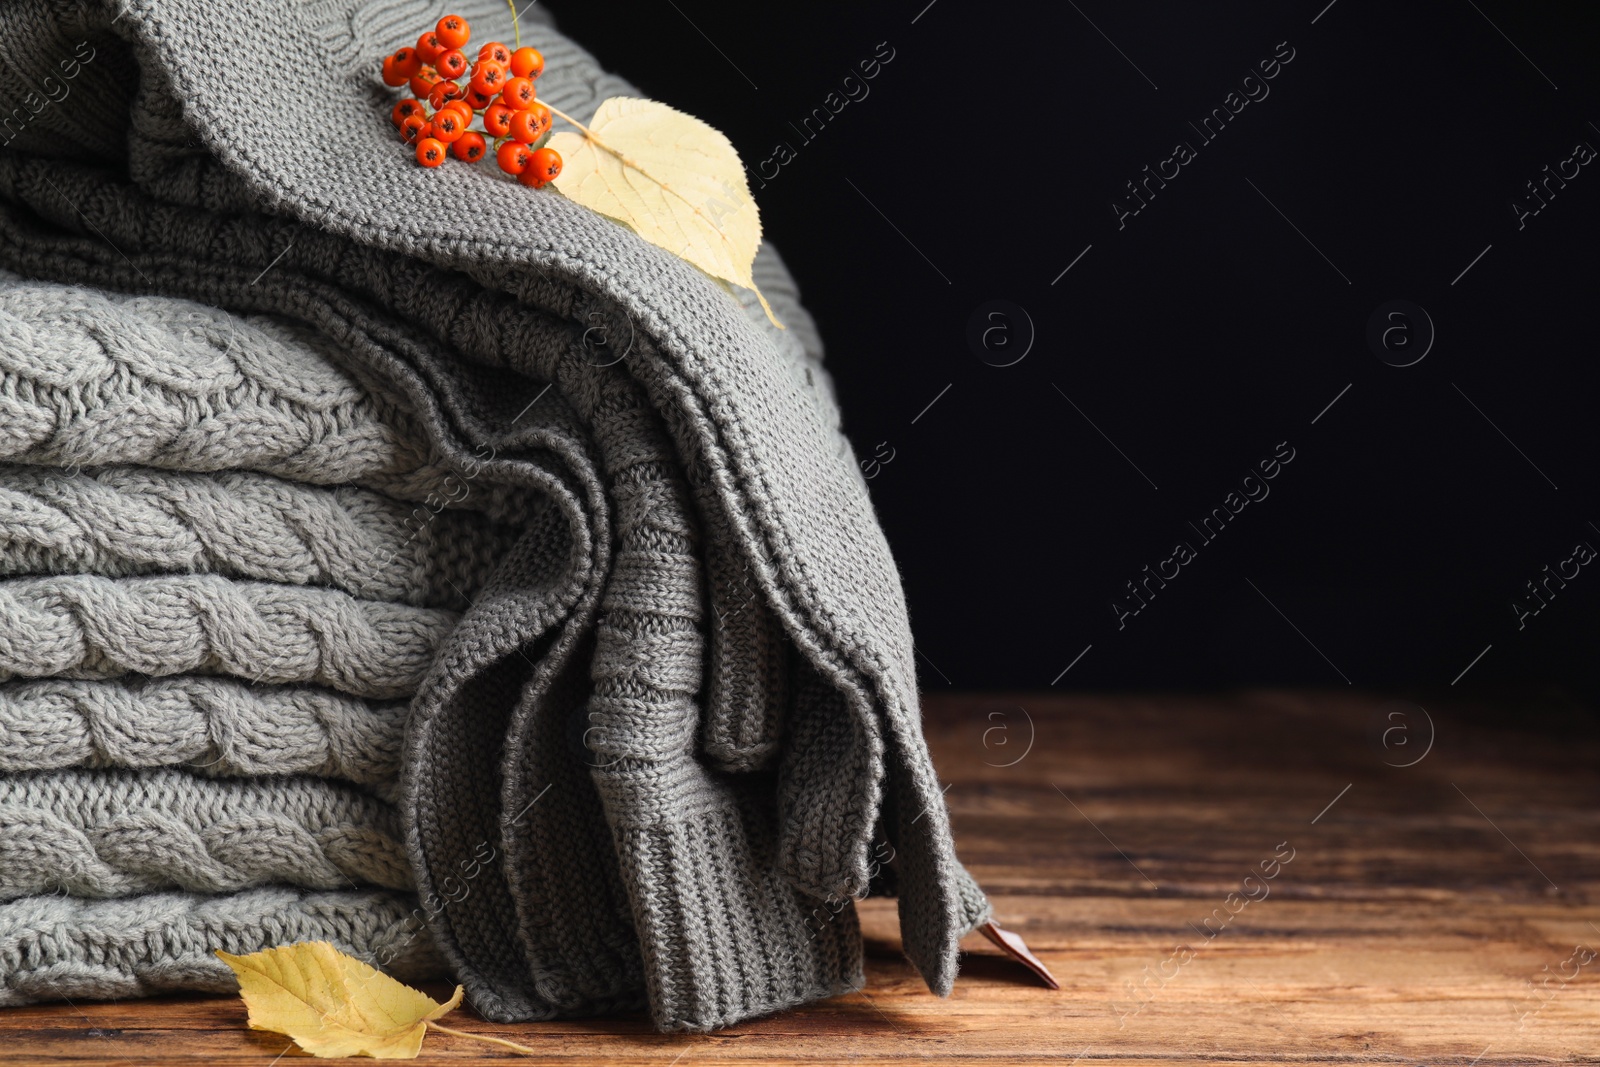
{"points": [[138, 520], [91, 379], [212, 726], [116, 833], [54, 948], [87, 626]]}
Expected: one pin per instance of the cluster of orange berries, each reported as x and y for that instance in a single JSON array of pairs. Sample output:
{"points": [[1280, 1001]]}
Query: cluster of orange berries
{"points": [[499, 87]]}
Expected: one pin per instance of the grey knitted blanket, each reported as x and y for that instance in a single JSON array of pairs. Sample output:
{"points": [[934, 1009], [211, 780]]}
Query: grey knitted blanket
{"points": [[206, 672], [675, 732]]}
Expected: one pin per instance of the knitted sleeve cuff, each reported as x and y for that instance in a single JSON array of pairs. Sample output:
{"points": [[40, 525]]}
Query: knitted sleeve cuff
{"points": [[707, 891]]}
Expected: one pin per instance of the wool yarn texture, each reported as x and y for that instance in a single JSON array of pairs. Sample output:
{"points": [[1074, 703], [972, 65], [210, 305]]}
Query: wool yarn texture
{"points": [[211, 624], [666, 730]]}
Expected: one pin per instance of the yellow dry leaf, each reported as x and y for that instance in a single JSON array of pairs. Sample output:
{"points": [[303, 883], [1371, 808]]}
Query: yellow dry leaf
{"points": [[332, 1004], [669, 177]]}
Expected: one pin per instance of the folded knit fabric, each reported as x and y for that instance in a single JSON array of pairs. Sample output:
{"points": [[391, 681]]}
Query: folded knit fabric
{"points": [[676, 730], [123, 521], [214, 726], [114, 834], [55, 948], [204, 673]]}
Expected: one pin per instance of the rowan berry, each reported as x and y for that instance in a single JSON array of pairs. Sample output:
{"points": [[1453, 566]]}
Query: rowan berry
{"points": [[544, 165], [423, 81], [429, 47], [489, 77], [448, 125], [411, 127], [431, 152], [513, 157], [404, 108], [451, 64], [531, 123], [407, 62], [518, 93], [497, 120], [442, 93], [527, 63], [448, 93], [453, 31]]}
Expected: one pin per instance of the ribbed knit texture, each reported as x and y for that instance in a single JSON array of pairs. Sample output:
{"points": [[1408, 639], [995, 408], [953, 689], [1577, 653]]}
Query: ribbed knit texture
{"points": [[692, 672]]}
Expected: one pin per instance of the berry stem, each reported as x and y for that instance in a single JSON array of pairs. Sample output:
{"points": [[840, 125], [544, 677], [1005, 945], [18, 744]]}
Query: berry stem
{"points": [[516, 27], [558, 113], [482, 1037]]}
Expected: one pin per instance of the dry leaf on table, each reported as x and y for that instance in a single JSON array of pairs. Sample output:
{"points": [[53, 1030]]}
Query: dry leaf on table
{"points": [[669, 177], [335, 1005], [332, 1004]]}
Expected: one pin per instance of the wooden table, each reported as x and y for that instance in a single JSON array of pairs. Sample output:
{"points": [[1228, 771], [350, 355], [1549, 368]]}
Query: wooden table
{"points": [[1439, 912]]}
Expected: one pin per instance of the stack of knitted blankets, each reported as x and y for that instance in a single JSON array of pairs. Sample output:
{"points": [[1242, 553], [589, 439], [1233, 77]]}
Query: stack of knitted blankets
{"points": [[372, 529], [226, 568]]}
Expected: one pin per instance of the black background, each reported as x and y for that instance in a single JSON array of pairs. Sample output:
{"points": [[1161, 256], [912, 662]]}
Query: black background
{"points": [[1199, 335]]}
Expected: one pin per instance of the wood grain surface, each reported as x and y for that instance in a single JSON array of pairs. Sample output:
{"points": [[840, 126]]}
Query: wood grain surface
{"points": [[1441, 912]]}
